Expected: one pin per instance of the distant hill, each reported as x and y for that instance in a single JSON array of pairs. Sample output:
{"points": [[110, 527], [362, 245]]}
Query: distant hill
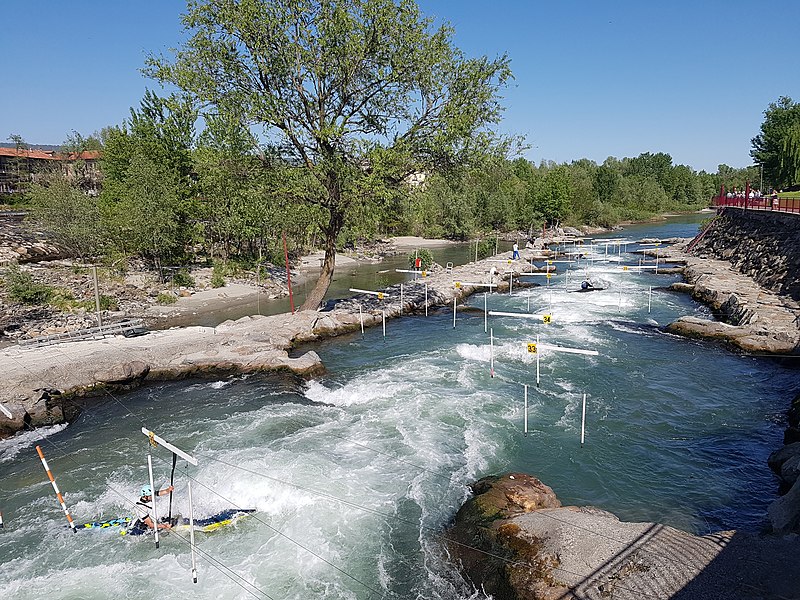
{"points": [[45, 147]]}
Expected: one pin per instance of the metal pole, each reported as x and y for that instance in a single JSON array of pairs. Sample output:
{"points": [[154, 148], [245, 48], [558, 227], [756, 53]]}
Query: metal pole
{"points": [[583, 420], [97, 297], [361, 318], [154, 495], [402, 303], [491, 352], [526, 410], [454, 312], [426, 298], [191, 533], [485, 311], [383, 312], [510, 283], [537, 361], [649, 297]]}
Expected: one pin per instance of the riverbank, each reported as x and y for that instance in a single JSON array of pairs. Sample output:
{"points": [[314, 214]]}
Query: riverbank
{"points": [[37, 385]]}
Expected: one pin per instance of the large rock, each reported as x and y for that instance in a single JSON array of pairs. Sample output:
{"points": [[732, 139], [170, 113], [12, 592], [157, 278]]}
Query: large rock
{"points": [[514, 541], [123, 374]]}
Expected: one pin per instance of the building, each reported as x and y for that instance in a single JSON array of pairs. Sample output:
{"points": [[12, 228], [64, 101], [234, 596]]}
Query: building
{"points": [[19, 167]]}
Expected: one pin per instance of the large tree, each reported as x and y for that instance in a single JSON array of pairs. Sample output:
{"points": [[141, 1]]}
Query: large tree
{"points": [[357, 93], [775, 147]]}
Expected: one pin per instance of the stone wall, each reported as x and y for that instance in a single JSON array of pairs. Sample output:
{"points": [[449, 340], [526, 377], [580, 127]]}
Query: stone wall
{"points": [[760, 244]]}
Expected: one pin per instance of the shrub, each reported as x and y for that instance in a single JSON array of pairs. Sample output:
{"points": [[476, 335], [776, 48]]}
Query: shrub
{"points": [[183, 279], [424, 254], [22, 288], [217, 276], [485, 248], [164, 298]]}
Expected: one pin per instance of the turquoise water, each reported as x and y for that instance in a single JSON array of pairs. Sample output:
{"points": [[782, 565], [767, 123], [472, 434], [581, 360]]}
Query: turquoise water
{"points": [[355, 474]]}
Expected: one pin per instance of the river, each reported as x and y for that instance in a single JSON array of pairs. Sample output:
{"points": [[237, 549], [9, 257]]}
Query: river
{"points": [[355, 474]]}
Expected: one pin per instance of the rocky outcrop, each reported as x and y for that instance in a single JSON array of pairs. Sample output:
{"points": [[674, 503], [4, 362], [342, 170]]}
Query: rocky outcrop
{"points": [[514, 540], [749, 317]]}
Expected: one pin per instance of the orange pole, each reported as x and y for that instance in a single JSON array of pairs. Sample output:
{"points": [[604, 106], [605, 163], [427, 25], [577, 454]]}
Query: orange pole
{"points": [[55, 487]]}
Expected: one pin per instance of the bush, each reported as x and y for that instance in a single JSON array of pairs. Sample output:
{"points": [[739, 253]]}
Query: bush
{"points": [[164, 298], [22, 288], [424, 254], [485, 248], [217, 276], [183, 279]]}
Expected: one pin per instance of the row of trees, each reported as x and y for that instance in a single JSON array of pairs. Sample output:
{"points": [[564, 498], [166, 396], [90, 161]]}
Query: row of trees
{"points": [[776, 148]]}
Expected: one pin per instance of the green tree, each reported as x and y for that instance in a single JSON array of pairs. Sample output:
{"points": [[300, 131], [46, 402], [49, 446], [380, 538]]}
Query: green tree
{"points": [[358, 93], [151, 154], [772, 147], [60, 208]]}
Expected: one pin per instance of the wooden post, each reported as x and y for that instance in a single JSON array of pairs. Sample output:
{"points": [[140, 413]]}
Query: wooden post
{"points": [[97, 297]]}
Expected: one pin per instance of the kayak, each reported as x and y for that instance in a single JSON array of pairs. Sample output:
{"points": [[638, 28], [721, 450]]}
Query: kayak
{"points": [[206, 524]]}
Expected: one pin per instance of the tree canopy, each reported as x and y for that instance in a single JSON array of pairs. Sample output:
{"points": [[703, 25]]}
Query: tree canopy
{"points": [[777, 145], [359, 94]]}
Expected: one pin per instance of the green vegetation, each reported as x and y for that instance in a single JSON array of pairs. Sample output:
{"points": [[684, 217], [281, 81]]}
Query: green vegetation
{"points": [[777, 146], [425, 257], [21, 287], [183, 279], [166, 298], [218, 276]]}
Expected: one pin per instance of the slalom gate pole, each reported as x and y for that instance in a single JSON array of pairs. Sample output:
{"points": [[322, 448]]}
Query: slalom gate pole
{"points": [[361, 318], [649, 298], [191, 532], [583, 420], [537, 361], [426, 298], [454, 312], [383, 314], [172, 483], [529, 301], [510, 283], [491, 352], [153, 496], [619, 306], [402, 304], [485, 311], [526, 410], [55, 487], [656, 261], [1, 520]]}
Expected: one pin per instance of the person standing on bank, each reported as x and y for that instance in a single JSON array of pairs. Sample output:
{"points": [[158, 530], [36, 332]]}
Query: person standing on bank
{"points": [[144, 507], [515, 254]]}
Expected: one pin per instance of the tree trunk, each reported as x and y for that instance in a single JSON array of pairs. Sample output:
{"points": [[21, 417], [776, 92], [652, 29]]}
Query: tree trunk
{"points": [[314, 299]]}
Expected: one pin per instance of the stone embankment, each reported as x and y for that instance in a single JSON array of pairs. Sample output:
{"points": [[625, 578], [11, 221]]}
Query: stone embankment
{"points": [[514, 540], [38, 384]]}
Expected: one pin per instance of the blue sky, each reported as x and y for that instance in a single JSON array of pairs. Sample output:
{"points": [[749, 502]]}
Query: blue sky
{"points": [[593, 79]]}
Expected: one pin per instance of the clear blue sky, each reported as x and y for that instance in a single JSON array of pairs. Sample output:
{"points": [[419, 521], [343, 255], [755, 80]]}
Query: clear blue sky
{"points": [[593, 79]]}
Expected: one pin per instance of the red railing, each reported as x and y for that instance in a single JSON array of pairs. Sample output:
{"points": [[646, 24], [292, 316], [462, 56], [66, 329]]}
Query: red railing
{"points": [[787, 205]]}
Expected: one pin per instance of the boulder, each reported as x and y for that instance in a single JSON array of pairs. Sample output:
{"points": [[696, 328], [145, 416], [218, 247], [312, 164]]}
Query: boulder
{"points": [[784, 513]]}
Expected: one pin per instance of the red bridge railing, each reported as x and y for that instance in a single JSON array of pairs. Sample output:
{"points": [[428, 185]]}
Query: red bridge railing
{"points": [[787, 205]]}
